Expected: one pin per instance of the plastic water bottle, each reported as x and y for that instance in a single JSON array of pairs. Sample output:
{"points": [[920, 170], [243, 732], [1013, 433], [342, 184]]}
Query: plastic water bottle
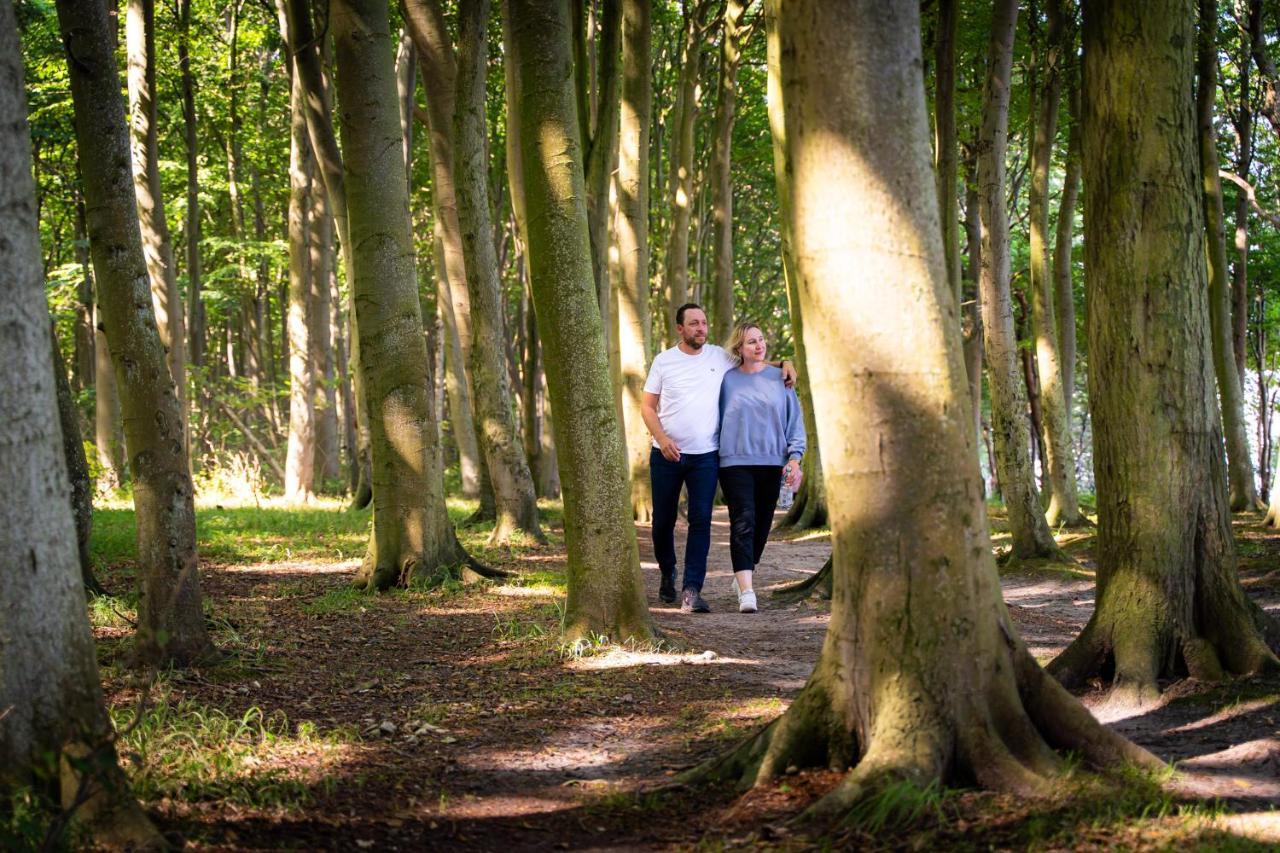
{"points": [[785, 495]]}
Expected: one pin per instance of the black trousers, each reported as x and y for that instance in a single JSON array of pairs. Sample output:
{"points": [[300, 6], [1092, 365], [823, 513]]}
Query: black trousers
{"points": [[751, 491]]}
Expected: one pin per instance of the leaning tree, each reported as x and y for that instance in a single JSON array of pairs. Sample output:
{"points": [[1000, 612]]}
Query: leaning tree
{"points": [[1169, 600], [922, 675]]}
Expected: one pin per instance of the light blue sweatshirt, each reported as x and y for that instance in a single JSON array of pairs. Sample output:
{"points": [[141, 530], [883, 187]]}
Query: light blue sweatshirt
{"points": [[760, 421]]}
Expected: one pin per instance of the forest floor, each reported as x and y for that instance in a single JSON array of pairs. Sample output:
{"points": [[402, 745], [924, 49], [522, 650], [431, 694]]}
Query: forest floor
{"points": [[453, 719]]}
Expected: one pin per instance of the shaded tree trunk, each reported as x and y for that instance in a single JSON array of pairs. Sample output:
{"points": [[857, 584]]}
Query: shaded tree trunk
{"points": [[972, 325], [1064, 289], [600, 155], [946, 144], [195, 311], [77, 467], [1169, 599], [327, 464], [108, 430], [1059, 460], [413, 539], [56, 732], [83, 375], [631, 233], [721, 178], [171, 625], [1241, 489], [1031, 536], [606, 591], [515, 502], [957, 696]]}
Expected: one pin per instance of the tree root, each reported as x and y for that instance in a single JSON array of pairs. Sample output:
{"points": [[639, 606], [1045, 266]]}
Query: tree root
{"points": [[817, 585]]}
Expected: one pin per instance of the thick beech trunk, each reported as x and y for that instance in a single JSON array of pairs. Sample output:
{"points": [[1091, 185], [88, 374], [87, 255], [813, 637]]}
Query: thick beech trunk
{"points": [[413, 538], [922, 677], [1241, 489], [56, 736], [631, 233], [1031, 536], [721, 177], [140, 37], [170, 617], [1169, 601], [1059, 458], [606, 591], [515, 502], [434, 49]]}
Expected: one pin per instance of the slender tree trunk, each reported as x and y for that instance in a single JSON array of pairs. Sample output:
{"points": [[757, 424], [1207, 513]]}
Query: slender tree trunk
{"points": [[1064, 289], [83, 375], [957, 696], [327, 464], [299, 480], [675, 276], [601, 153], [426, 24], [606, 591], [108, 430], [973, 336], [1243, 493], [140, 36], [515, 501], [56, 731], [722, 182], [413, 538], [946, 144], [1031, 536], [170, 617], [1059, 460], [1168, 595], [1242, 118], [631, 232], [77, 466], [195, 313]]}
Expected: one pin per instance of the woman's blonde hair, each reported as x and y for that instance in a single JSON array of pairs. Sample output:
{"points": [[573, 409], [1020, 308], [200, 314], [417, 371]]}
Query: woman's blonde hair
{"points": [[734, 346]]}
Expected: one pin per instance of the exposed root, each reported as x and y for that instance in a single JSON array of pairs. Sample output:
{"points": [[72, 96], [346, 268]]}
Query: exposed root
{"points": [[869, 778], [816, 585]]}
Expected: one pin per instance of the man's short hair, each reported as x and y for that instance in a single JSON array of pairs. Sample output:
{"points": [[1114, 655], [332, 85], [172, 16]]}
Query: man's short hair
{"points": [[685, 307]]}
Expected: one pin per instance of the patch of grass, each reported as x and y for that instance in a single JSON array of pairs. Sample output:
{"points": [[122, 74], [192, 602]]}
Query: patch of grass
{"points": [[113, 611], [897, 804], [540, 623], [340, 600], [193, 752]]}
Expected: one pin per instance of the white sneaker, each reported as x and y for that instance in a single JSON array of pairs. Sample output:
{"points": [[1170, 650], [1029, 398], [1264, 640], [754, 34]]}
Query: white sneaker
{"points": [[747, 602]]}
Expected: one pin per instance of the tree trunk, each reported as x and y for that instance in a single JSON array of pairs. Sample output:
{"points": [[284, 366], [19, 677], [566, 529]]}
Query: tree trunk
{"points": [[973, 336], [108, 430], [1031, 536], [140, 36], [413, 538], [515, 501], [171, 625], [299, 480], [426, 25], [721, 178], [327, 464], [631, 233], [1168, 599], [606, 591], [1059, 460], [1242, 118], [1241, 489], [195, 313], [56, 731], [945, 145], [601, 153], [957, 695], [83, 375], [1064, 289], [77, 467]]}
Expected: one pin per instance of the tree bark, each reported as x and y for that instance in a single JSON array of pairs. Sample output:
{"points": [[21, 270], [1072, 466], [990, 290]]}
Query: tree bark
{"points": [[1064, 289], [1243, 494], [413, 539], [83, 374], [601, 154], [1168, 599], [631, 233], [190, 133], [1059, 460], [606, 591], [108, 429], [515, 501], [945, 145], [77, 467], [1031, 535], [922, 677], [722, 180], [140, 37], [327, 464], [171, 625], [56, 730], [972, 325], [426, 24]]}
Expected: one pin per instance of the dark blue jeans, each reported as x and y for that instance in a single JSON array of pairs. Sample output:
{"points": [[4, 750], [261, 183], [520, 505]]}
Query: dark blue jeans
{"points": [[751, 491], [696, 472]]}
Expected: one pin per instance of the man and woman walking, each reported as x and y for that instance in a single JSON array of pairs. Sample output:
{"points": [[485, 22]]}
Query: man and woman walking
{"points": [[718, 415]]}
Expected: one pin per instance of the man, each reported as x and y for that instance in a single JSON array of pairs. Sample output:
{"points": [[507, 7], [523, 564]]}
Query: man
{"points": [[681, 408]]}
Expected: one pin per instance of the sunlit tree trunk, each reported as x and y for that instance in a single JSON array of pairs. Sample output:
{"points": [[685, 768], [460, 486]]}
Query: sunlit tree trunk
{"points": [[722, 182], [631, 233], [515, 502], [1168, 595], [945, 142], [56, 733], [1241, 489], [922, 677], [140, 37], [1064, 504], [327, 465], [171, 625], [600, 156], [1031, 536], [412, 535], [972, 324], [606, 591]]}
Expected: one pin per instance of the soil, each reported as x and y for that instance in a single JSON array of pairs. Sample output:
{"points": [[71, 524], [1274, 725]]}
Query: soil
{"points": [[476, 734]]}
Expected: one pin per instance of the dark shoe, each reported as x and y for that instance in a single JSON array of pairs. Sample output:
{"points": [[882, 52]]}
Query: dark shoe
{"points": [[667, 590], [691, 602]]}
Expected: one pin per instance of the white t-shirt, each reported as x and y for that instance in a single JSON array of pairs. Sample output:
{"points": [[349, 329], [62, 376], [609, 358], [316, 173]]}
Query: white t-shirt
{"points": [[688, 387]]}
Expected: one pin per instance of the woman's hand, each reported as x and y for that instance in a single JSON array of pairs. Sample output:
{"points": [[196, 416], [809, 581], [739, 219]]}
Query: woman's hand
{"points": [[792, 475]]}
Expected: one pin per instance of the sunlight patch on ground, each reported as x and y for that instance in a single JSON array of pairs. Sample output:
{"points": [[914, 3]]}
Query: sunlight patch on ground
{"points": [[620, 658], [1258, 826], [293, 567], [1235, 710]]}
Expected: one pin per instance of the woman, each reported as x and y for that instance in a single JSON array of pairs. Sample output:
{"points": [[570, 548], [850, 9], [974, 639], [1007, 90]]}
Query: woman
{"points": [[761, 443]]}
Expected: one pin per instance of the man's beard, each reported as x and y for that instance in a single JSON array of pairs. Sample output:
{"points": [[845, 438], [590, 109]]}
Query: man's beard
{"points": [[694, 343]]}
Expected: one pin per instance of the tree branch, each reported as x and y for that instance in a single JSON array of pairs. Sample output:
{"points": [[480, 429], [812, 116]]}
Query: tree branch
{"points": [[1250, 194]]}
